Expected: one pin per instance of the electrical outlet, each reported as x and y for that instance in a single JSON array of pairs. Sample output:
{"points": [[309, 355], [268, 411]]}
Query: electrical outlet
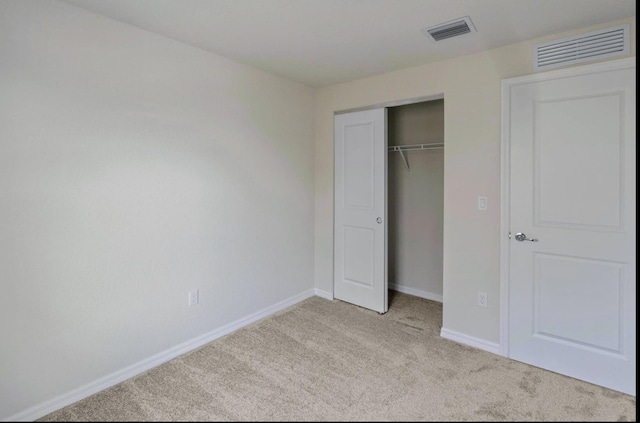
{"points": [[194, 297], [482, 299]]}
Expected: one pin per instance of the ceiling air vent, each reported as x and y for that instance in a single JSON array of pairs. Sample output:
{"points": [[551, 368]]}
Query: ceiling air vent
{"points": [[586, 47], [450, 29]]}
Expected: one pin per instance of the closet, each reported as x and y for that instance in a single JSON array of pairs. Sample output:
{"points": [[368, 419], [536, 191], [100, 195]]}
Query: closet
{"points": [[388, 198], [415, 193]]}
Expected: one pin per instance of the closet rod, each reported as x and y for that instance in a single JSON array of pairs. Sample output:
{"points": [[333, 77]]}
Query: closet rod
{"points": [[401, 148], [416, 147]]}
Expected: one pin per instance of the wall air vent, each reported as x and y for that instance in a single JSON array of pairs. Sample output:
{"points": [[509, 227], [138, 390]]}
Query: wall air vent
{"points": [[450, 29], [586, 47]]}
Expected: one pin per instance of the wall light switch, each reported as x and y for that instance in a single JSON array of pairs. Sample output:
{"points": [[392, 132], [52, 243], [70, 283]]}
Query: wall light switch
{"points": [[482, 203]]}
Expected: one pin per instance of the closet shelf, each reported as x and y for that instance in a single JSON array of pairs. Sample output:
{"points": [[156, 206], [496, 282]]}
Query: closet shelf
{"points": [[401, 148]]}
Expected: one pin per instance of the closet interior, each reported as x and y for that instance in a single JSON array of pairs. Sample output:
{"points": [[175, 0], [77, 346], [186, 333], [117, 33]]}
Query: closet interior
{"points": [[415, 198]]}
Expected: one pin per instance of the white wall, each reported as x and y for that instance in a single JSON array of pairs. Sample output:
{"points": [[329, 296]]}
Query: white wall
{"points": [[471, 88], [415, 200], [134, 168]]}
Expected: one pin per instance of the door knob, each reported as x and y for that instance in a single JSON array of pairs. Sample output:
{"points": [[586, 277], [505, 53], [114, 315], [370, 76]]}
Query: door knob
{"points": [[379, 220], [522, 237]]}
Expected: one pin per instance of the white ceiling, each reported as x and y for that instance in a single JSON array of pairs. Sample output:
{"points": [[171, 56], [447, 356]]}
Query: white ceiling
{"points": [[322, 42]]}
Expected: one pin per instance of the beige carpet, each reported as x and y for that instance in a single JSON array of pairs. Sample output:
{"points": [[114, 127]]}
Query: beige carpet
{"points": [[331, 361]]}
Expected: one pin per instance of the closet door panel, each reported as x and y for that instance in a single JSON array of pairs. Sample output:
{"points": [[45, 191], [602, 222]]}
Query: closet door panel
{"points": [[360, 232]]}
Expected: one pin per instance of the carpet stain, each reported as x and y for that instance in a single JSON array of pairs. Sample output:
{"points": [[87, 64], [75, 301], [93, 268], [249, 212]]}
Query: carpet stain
{"points": [[411, 326], [482, 368], [585, 391], [529, 383], [494, 411]]}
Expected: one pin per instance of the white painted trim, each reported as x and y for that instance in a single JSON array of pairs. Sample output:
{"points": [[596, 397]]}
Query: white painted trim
{"points": [[505, 166], [324, 294], [471, 341], [416, 292], [119, 376], [505, 215], [392, 104], [629, 62]]}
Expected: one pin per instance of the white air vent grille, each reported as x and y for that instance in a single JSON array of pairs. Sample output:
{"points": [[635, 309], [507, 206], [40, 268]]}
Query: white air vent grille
{"points": [[595, 45], [450, 29]]}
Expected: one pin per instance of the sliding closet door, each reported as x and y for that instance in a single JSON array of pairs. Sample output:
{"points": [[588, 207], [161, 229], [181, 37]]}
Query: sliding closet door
{"points": [[360, 256]]}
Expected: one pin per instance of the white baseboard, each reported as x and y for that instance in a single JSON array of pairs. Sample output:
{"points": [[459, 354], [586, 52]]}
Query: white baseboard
{"points": [[114, 378], [324, 294], [471, 341], [416, 292]]}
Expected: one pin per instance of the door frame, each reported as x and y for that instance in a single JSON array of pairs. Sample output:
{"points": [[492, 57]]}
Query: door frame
{"points": [[391, 104], [505, 178]]}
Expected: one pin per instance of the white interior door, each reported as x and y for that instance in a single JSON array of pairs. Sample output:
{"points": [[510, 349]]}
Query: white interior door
{"points": [[572, 283], [360, 256]]}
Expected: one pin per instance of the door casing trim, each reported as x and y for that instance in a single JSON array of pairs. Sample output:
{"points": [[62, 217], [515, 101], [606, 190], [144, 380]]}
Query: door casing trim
{"points": [[392, 104]]}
